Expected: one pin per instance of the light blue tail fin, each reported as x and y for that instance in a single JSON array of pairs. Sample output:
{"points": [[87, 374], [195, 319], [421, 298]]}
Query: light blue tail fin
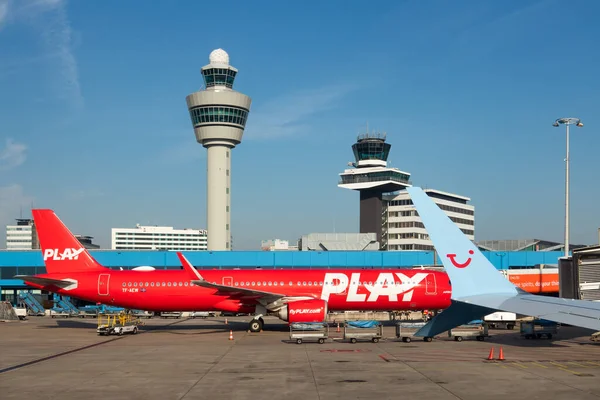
{"points": [[469, 271]]}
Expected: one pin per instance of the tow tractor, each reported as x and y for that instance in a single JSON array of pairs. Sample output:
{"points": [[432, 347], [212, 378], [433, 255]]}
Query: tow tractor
{"points": [[117, 324]]}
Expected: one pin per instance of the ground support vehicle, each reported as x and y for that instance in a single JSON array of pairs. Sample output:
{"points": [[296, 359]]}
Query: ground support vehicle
{"points": [[477, 329], [363, 330], [407, 330], [120, 324], [310, 331], [501, 320], [536, 328]]}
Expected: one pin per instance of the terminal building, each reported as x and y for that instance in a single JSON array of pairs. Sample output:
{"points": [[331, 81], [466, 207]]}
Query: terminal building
{"points": [[22, 235], [158, 238], [405, 231], [31, 262]]}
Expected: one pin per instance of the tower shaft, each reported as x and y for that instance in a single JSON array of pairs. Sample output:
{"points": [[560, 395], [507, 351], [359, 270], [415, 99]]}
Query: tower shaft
{"points": [[218, 196], [371, 207]]}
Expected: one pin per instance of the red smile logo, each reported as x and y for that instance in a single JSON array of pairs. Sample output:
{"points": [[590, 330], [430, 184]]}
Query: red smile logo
{"points": [[452, 258]]}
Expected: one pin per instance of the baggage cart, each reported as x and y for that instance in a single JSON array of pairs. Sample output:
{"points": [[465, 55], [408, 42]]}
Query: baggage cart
{"points": [[407, 330], [535, 329], [311, 331], [477, 329], [363, 330], [117, 324]]}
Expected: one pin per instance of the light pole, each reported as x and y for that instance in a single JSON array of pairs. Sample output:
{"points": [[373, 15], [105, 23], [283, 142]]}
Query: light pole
{"points": [[577, 122]]}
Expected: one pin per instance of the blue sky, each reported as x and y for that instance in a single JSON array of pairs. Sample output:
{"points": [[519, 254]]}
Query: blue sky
{"points": [[93, 119]]}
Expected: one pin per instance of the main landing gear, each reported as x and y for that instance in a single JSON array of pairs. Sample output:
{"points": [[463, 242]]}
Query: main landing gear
{"points": [[256, 325]]}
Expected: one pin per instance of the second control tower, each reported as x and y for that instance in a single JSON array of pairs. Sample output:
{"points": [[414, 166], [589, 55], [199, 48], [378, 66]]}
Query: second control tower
{"points": [[372, 177], [219, 116]]}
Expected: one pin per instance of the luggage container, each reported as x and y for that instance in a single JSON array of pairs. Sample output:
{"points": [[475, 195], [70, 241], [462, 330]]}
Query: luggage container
{"points": [[363, 330], [407, 330], [535, 329], [501, 320], [311, 331], [477, 329]]}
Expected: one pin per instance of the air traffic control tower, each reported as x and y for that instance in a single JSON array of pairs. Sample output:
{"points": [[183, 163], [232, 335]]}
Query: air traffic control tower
{"points": [[219, 116], [371, 176]]}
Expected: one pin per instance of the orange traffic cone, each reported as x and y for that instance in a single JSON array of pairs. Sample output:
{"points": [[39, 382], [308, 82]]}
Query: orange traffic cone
{"points": [[491, 356], [501, 355], [230, 335], [338, 327]]}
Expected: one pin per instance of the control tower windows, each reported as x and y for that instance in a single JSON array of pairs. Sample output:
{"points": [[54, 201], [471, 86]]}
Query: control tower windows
{"points": [[208, 114], [371, 150], [219, 77]]}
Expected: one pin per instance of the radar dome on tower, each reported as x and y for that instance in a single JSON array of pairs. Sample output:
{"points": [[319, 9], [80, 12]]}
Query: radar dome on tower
{"points": [[219, 56]]}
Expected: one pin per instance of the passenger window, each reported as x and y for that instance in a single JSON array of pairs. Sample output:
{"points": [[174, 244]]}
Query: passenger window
{"points": [[271, 283], [169, 284], [252, 283], [257, 283], [152, 284], [129, 284], [274, 283], [146, 284], [124, 284], [185, 284], [282, 284], [309, 283], [291, 283], [264, 283], [236, 284], [135, 284], [164, 284]]}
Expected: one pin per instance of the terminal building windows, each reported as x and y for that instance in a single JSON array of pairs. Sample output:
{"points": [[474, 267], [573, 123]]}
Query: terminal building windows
{"points": [[208, 114]]}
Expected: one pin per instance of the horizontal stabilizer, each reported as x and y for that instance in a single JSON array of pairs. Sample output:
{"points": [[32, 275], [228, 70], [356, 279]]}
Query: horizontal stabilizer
{"points": [[457, 314], [583, 313], [61, 283]]}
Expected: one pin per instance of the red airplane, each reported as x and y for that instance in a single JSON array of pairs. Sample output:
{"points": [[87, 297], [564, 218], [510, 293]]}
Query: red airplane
{"points": [[292, 295]]}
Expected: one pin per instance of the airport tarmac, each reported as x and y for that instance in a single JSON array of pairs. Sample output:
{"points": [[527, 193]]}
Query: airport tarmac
{"points": [[194, 359]]}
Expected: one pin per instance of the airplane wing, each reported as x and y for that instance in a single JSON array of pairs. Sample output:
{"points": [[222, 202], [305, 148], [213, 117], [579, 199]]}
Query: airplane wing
{"points": [[478, 288], [265, 298], [45, 281]]}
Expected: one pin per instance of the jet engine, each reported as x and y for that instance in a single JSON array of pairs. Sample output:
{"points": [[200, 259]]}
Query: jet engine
{"points": [[303, 311]]}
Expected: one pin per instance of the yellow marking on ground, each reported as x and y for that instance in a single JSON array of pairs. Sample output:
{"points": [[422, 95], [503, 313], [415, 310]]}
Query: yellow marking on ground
{"points": [[594, 363], [578, 364], [564, 368], [539, 364], [500, 365], [519, 364]]}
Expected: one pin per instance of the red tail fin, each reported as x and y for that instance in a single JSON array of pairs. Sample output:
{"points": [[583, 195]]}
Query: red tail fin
{"points": [[62, 252]]}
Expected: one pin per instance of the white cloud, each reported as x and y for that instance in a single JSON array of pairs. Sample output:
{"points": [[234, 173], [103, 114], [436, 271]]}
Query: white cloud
{"points": [[285, 115], [12, 201], [12, 155], [49, 19], [3, 11]]}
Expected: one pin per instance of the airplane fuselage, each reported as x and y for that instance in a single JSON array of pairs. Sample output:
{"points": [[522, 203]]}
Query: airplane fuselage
{"points": [[172, 290]]}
